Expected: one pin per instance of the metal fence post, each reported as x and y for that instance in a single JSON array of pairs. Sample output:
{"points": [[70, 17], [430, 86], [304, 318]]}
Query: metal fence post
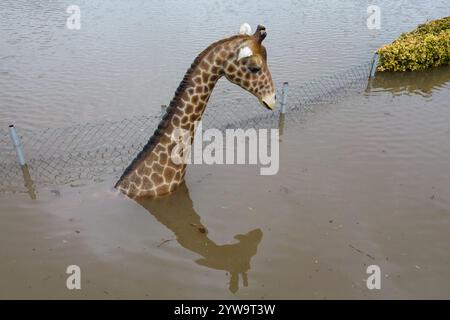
{"points": [[17, 145], [373, 68], [284, 93], [21, 159]]}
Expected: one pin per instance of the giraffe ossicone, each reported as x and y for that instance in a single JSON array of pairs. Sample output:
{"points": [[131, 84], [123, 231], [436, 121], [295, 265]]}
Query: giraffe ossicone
{"points": [[245, 29], [241, 59]]}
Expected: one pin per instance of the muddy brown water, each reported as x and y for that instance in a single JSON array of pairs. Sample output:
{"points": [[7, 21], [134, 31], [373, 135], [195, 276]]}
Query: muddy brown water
{"points": [[364, 181], [116, 67]]}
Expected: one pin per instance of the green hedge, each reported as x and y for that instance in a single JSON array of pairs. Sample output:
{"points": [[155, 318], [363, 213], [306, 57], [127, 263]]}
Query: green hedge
{"points": [[426, 46]]}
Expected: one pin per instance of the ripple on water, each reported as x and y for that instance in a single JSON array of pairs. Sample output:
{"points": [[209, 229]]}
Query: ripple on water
{"points": [[51, 76]]}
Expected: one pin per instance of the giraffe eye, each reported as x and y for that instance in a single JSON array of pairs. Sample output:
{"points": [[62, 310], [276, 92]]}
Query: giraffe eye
{"points": [[254, 69]]}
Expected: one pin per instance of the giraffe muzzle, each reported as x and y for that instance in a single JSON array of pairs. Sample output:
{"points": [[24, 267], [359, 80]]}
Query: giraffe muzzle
{"points": [[269, 102]]}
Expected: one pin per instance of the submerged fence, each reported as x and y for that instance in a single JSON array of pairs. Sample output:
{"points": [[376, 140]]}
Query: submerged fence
{"points": [[91, 152]]}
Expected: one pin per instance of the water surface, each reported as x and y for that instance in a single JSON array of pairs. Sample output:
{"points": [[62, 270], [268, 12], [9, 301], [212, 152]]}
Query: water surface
{"points": [[362, 181], [129, 56]]}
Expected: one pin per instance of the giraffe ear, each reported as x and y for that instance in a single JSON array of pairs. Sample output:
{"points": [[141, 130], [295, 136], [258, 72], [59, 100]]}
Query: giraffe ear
{"points": [[244, 53], [245, 29]]}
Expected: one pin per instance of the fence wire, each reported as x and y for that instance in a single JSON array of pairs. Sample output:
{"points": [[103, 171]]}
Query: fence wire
{"points": [[92, 151]]}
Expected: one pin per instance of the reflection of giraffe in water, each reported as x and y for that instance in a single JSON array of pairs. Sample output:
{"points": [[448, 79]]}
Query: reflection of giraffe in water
{"points": [[177, 213]]}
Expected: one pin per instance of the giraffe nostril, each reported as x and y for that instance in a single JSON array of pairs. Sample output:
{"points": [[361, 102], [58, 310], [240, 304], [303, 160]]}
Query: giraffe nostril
{"points": [[275, 97]]}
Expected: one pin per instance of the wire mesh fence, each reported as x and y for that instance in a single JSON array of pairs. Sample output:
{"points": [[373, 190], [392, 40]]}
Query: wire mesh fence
{"points": [[93, 151]]}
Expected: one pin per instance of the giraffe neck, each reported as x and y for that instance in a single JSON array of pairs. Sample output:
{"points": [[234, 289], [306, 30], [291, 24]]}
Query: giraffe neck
{"points": [[152, 172], [192, 95]]}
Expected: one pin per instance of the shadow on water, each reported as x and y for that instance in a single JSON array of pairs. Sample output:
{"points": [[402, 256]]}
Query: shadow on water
{"points": [[417, 82], [177, 213]]}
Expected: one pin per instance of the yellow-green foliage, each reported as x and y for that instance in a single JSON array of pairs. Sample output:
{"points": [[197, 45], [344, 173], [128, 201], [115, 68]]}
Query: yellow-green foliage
{"points": [[426, 46]]}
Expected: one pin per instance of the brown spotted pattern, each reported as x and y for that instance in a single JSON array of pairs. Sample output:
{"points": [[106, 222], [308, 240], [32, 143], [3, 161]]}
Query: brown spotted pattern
{"points": [[153, 173]]}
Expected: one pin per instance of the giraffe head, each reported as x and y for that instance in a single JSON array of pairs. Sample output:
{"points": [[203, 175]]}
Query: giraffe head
{"points": [[247, 66]]}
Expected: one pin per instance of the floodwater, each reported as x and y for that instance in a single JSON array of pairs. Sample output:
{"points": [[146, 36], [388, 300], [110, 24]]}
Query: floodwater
{"points": [[363, 181], [129, 56]]}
